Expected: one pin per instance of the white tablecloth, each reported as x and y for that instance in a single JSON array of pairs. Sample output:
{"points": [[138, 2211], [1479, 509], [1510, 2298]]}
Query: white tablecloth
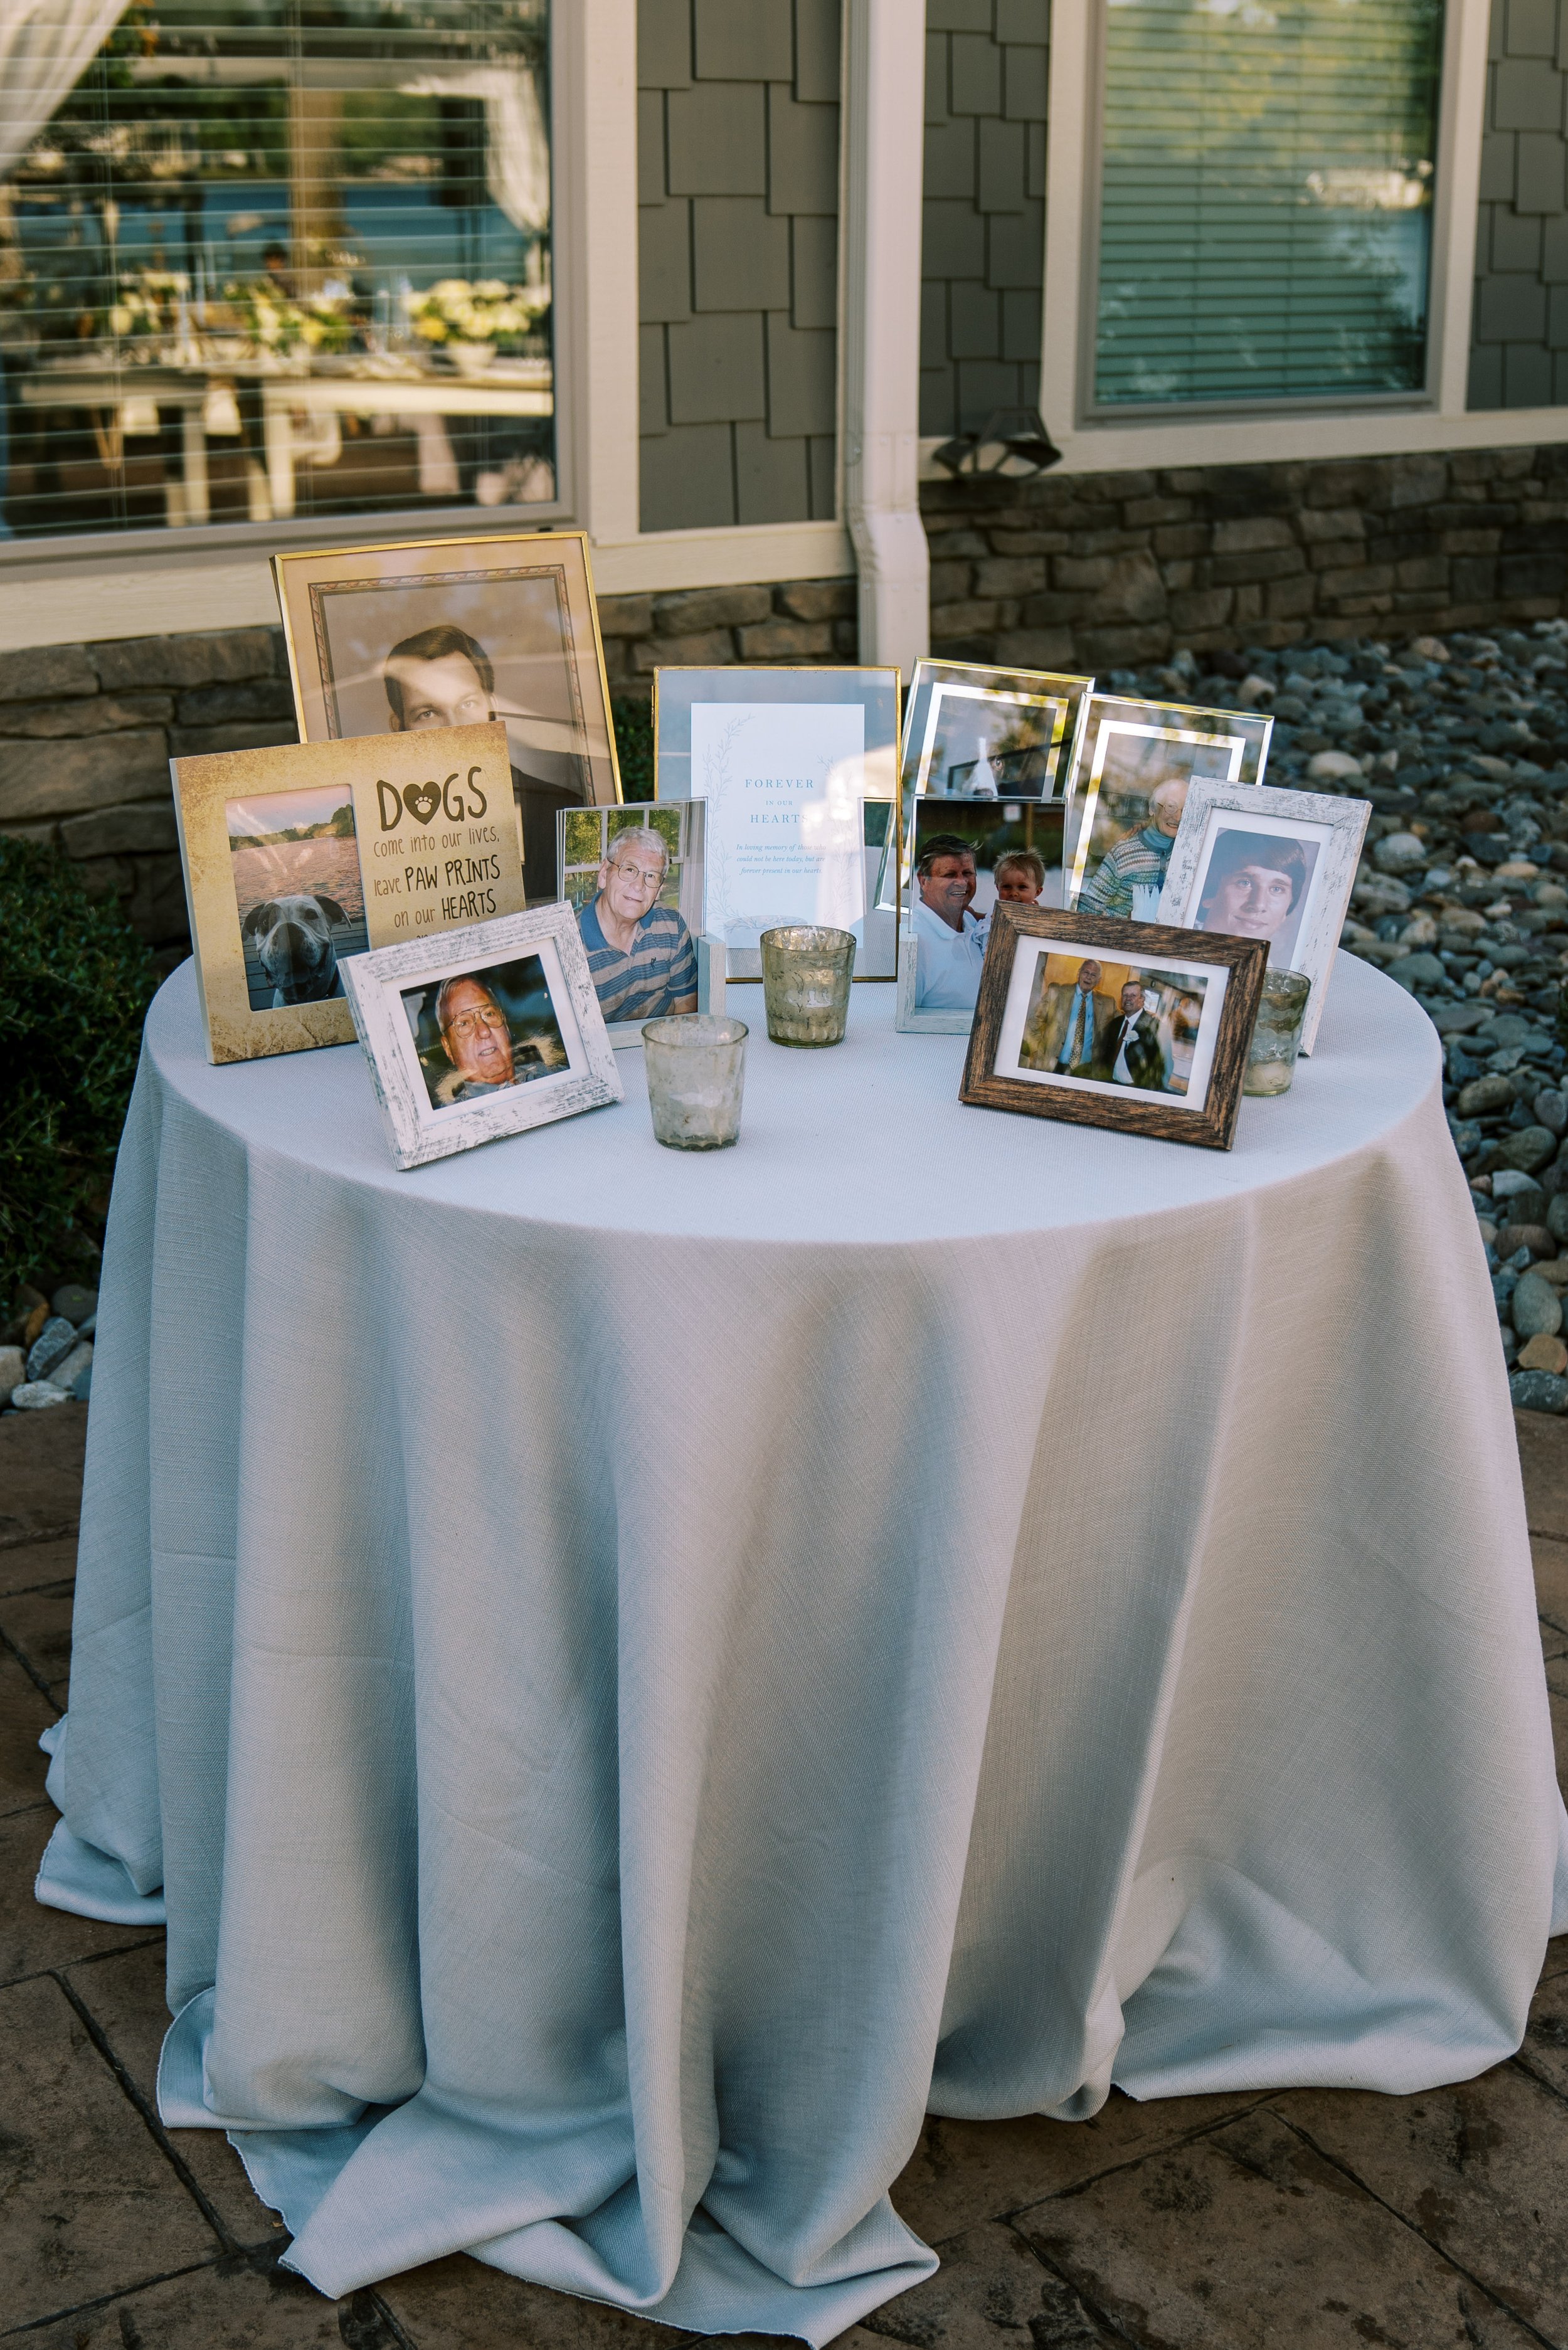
{"points": [[639, 1673]]}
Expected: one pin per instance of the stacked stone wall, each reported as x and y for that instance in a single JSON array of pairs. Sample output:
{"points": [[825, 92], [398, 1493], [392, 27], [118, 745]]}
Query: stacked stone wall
{"points": [[87, 731], [1105, 570], [1098, 572]]}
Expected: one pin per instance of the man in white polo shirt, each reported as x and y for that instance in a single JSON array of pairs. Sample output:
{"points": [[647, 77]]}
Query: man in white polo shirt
{"points": [[949, 943]]}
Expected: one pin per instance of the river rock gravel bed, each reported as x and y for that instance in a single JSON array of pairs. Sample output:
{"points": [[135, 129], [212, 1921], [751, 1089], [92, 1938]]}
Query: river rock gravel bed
{"points": [[1461, 743]]}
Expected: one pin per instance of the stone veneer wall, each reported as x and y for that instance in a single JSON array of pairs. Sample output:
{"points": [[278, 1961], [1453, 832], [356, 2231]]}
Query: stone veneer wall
{"points": [[1071, 571], [87, 731], [1099, 570]]}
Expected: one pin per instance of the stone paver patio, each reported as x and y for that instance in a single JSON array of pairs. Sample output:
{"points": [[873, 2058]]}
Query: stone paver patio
{"points": [[1313, 2217]]}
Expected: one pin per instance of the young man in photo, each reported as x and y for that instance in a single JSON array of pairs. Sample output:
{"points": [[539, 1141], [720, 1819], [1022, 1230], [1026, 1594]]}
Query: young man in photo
{"points": [[1254, 886], [443, 677], [1135, 1049], [640, 954], [1129, 881], [949, 943]]}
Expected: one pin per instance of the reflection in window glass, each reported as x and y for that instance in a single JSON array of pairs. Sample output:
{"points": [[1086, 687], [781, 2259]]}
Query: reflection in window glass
{"points": [[270, 259], [1266, 198]]}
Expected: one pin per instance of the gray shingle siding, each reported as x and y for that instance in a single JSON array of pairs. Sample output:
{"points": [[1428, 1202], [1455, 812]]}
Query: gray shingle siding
{"points": [[983, 241], [1519, 331], [738, 126]]}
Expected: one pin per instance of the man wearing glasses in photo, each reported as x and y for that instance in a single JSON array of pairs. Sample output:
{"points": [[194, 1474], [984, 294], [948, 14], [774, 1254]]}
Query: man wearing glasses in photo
{"points": [[640, 953], [477, 1041]]}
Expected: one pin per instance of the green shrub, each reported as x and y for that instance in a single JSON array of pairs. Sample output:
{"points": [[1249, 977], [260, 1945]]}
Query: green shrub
{"points": [[634, 746], [75, 985]]}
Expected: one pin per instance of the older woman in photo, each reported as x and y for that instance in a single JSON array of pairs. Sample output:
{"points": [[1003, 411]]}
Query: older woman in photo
{"points": [[1254, 887], [1129, 881]]}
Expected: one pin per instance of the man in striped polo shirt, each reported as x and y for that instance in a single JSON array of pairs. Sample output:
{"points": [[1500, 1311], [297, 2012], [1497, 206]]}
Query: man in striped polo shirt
{"points": [[639, 952]]}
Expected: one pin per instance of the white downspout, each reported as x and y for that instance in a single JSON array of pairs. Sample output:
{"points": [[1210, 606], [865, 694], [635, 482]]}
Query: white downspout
{"points": [[885, 92]]}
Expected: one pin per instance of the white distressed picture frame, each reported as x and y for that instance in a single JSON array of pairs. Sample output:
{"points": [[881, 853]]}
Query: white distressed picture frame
{"points": [[375, 984], [1336, 827]]}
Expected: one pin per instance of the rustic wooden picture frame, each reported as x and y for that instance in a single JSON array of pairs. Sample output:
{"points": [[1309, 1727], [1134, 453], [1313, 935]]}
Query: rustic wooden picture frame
{"points": [[417, 1130], [1079, 1102]]}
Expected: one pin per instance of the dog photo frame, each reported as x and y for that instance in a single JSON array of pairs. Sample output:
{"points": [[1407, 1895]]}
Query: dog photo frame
{"points": [[1273, 865], [412, 636], [1087, 1018], [481, 1033], [298, 856], [1135, 763]]}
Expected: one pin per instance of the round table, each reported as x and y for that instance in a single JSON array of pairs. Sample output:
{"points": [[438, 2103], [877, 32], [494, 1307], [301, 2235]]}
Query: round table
{"points": [[639, 1674]]}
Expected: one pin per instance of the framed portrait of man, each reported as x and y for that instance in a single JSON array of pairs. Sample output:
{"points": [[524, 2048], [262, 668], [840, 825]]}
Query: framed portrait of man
{"points": [[1272, 865], [1135, 763], [1083, 1018], [410, 637]]}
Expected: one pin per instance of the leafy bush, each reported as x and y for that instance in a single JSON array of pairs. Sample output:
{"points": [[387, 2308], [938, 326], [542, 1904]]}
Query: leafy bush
{"points": [[75, 985], [634, 746]]}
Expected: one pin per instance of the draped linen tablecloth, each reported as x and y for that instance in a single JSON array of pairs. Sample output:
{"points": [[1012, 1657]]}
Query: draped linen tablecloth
{"points": [[638, 1674]]}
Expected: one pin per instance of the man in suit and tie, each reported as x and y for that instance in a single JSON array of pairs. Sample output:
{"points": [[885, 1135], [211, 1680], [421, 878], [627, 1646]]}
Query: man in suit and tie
{"points": [[1067, 1032], [1135, 1047]]}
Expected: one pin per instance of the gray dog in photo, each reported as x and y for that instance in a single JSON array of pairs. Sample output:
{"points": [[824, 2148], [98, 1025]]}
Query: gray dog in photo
{"points": [[291, 937]]}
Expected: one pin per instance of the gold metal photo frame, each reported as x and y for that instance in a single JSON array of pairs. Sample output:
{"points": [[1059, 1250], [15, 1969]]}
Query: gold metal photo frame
{"points": [[414, 635]]}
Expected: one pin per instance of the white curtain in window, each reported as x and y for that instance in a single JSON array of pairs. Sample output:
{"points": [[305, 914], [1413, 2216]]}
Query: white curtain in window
{"points": [[46, 46], [517, 145]]}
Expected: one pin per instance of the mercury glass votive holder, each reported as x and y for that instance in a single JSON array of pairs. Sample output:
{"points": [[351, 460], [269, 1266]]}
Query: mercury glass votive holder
{"points": [[806, 972], [1277, 1036], [695, 1064]]}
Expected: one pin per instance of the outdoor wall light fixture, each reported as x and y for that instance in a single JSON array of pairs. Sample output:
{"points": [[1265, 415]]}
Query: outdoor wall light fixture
{"points": [[1013, 441]]}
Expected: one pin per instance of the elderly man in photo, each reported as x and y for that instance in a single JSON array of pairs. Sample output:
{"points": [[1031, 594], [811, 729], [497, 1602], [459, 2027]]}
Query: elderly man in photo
{"points": [[476, 1040], [640, 954], [1067, 1032], [1136, 1049], [1129, 881], [443, 677], [950, 943]]}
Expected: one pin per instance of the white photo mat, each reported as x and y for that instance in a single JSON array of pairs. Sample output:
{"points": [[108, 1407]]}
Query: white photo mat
{"points": [[1212, 982], [1330, 830], [376, 985], [1237, 740]]}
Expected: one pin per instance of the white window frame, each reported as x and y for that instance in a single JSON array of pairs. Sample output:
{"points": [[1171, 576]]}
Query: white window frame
{"points": [[110, 584], [1263, 432]]}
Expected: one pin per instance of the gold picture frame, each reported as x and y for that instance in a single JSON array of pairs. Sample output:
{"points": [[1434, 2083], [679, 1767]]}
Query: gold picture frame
{"points": [[410, 635]]}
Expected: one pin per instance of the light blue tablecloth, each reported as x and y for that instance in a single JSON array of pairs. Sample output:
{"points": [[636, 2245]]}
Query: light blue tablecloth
{"points": [[638, 1674]]}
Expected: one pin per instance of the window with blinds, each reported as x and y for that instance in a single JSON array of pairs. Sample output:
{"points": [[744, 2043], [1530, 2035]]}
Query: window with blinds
{"points": [[1266, 198], [265, 260]]}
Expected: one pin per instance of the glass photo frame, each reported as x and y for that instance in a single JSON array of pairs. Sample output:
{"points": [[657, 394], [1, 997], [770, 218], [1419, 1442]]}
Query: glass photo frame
{"points": [[656, 898], [796, 766], [977, 854], [1135, 763], [973, 732]]}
